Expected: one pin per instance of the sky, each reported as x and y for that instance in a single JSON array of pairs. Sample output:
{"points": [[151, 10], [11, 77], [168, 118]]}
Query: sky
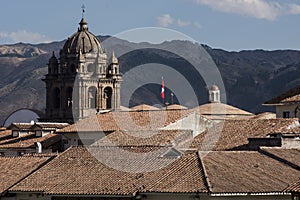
{"points": [[232, 25]]}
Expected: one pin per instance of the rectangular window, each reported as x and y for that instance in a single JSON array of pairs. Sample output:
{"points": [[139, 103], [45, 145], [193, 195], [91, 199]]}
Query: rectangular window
{"points": [[15, 133], [286, 114]]}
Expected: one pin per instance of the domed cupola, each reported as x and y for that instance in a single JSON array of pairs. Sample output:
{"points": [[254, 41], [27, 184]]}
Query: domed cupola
{"points": [[83, 41], [214, 94]]}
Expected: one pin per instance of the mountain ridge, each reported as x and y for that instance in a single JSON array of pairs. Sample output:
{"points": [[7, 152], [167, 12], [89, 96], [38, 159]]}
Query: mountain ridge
{"points": [[251, 77]]}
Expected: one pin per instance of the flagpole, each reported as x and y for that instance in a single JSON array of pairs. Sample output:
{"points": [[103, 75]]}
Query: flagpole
{"points": [[162, 94]]}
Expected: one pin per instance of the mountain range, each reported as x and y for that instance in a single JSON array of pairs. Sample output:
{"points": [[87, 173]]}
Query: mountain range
{"points": [[250, 77]]}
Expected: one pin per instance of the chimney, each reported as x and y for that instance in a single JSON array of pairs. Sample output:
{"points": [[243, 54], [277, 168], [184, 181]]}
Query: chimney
{"points": [[39, 147]]}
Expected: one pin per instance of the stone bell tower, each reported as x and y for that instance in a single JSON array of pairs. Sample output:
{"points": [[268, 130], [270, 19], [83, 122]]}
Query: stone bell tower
{"points": [[82, 81]]}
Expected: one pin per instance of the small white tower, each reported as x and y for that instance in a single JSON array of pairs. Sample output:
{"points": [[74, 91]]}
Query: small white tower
{"points": [[113, 68], [214, 94]]}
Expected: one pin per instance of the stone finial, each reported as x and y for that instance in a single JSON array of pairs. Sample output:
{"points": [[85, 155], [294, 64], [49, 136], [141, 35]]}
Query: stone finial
{"points": [[113, 59]]}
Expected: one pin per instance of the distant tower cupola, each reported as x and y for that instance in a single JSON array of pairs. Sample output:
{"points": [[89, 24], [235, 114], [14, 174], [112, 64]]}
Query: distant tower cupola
{"points": [[83, 25], [53, 65], [214, 94], [113, 68]]}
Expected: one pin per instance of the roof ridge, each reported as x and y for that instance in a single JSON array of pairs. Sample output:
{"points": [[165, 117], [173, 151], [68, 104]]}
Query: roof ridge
{"points": [[279, 159], [205, 177], [44, 163]]}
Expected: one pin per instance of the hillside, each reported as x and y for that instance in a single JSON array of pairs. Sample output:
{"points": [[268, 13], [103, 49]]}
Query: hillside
{"points": [[250, 77]]}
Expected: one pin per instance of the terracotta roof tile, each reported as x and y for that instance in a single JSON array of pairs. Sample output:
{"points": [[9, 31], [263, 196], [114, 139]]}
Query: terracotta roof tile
{"points": [[149, 119], [291, 95], [85, 175], [143, 107], [294, 187], [175, 107], [295, 98], [156, 138], [265, 115], [289, 156], [132, 120], [51, 125], [246, 172], [220, 109], [26, 140], [234, 134], [20, 126], [14, 169], [293, 132]]}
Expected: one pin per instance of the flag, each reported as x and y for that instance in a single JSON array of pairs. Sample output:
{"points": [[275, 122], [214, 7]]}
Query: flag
{"points": [[162, 93]]}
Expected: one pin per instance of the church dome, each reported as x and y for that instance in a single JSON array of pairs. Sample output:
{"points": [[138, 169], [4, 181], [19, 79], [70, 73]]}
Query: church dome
{"points": [[214, 88], [83, 41]]}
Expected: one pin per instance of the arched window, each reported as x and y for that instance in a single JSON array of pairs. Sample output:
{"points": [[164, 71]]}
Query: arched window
{"points": [[69, 99], [55, 69], [107, 97], [73, 68], [56, 98], [91, 68], [92, 96]]}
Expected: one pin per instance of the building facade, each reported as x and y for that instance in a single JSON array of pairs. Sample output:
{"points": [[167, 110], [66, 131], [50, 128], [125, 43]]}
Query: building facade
{"points": [[287, 105], [83, 81]]}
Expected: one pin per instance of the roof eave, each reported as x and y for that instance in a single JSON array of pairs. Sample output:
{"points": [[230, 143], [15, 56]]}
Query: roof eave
{"points": [[249, 193], [273, 104], [89, 195], [176, 193]]}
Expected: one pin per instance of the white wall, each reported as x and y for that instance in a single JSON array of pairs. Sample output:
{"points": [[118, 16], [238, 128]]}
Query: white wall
{"points": [[287, 108], [259, 197], [290, 143], [194, 122], [87, 138], [206, 197]]}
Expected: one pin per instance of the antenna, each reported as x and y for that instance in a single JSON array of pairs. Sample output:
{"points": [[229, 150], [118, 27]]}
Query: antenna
{"points": [[83, 10]]}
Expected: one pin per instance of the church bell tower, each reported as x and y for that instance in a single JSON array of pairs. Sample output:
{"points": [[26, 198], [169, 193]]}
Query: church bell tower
{"points": [[82, 81]]}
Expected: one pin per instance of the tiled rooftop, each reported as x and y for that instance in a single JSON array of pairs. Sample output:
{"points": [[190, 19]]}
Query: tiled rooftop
{"points": [[132, 120], [264, 115], [220, 109], [217, 172], [147, 119], [155, 138], [295, 98], [76, 171], [143, 107], [234, 134], [14, 169], [43, 125], [26, 140], [20, 126], [246, 172], [294, 187], [51, 125], [175, 107], [292, 95], [289, 156]]}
